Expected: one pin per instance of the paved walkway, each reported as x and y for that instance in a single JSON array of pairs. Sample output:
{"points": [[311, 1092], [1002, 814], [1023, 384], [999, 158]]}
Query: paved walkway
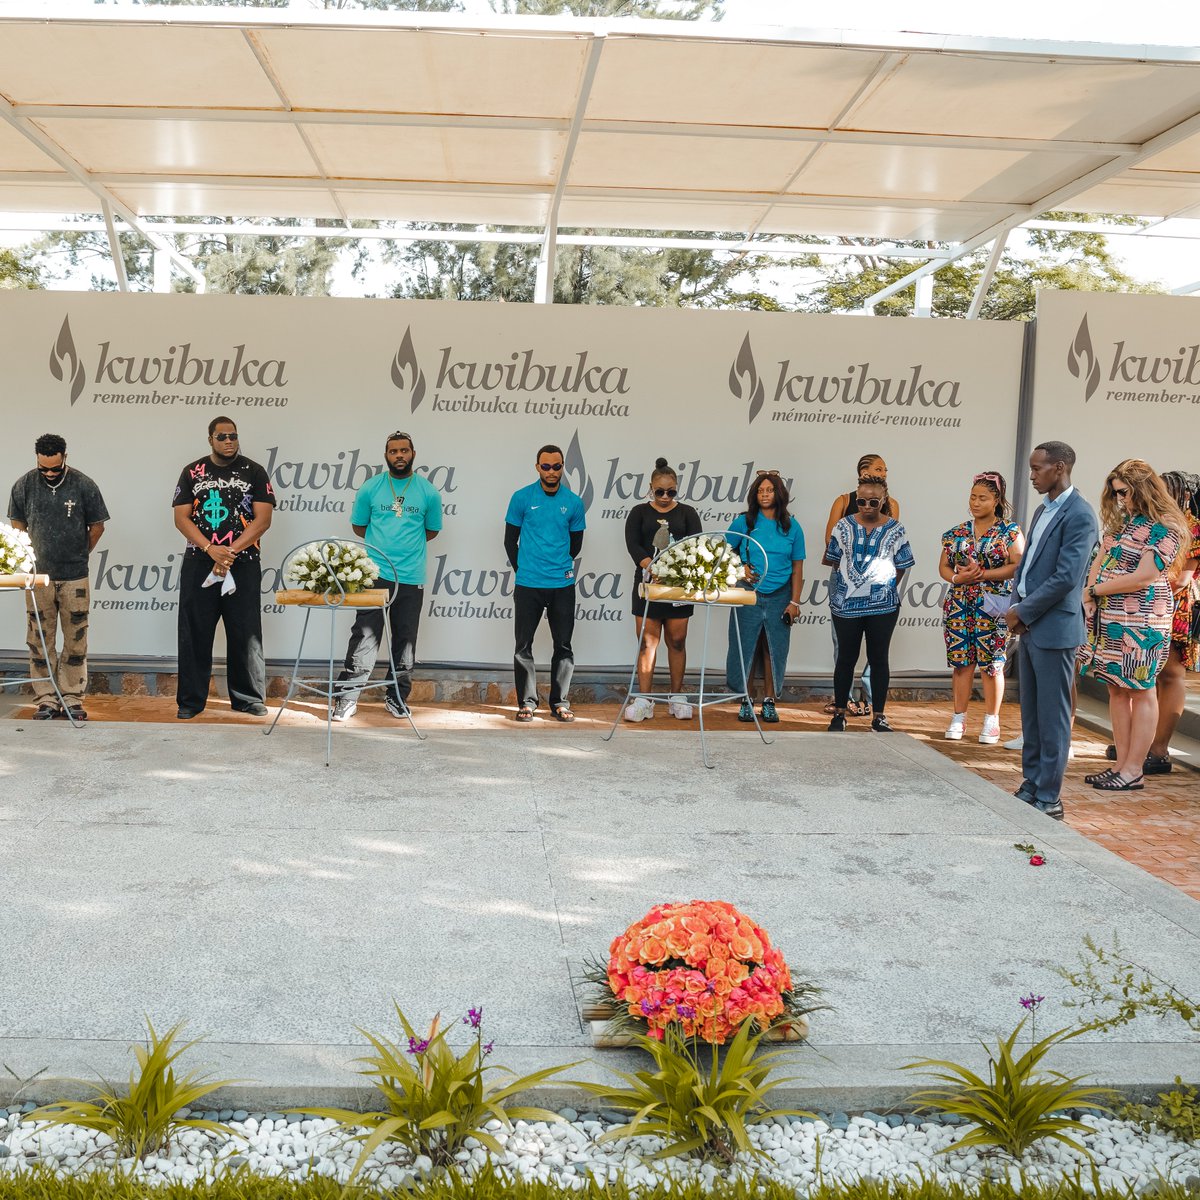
{"points": [[200, 870], [1158, 829]]}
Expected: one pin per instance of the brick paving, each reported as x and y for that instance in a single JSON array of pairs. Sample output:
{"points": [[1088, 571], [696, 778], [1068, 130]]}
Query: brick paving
{"points": [[1157, 829]]}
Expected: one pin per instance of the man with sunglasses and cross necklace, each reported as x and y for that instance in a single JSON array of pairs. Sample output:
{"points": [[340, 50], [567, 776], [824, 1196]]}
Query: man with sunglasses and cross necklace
{"points": [[64, 514], [543, 534], [396, 514]]}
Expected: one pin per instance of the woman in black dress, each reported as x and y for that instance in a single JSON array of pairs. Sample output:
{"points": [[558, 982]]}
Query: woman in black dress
{"points": [[650, 527]]}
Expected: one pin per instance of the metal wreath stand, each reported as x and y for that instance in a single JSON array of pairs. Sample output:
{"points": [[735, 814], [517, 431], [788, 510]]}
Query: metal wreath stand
{"points": [[26, 583], [334, 602], [712, 600]]}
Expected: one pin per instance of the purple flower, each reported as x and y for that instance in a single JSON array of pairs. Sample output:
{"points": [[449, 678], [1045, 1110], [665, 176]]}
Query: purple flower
{"points": [[1031, 1002], [487, 1049], [473, 1018], [650, 1007], [415, 1047], [686, 1011]]}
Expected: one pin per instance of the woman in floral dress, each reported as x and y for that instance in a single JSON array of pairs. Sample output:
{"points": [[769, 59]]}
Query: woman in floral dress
{"points": [[979, 559], [1129, 608]]}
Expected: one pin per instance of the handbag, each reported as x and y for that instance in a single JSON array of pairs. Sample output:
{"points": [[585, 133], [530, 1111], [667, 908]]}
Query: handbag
{"points": [[996, 605]]}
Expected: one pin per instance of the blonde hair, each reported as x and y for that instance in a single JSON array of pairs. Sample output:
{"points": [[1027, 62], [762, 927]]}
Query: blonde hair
{"points": [[1148, 497]]}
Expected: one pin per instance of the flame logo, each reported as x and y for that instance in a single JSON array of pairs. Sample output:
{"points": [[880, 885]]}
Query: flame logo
{"points": [[1081, 360], [576, 472], [406, 371], [63, 351], [744, 382]]}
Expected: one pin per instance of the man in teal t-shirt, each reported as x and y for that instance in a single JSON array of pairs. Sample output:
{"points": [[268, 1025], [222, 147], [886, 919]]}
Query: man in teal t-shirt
{"points": [[543, 534], [396, 513]]}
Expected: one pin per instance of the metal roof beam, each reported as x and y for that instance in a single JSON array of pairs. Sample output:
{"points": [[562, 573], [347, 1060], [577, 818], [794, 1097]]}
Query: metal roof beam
{"points": [[114, 247], [543, 291], [859, 137], [76, 171]]}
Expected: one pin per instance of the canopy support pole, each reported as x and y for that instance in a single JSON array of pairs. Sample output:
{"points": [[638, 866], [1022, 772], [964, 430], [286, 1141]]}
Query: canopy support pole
{"points": [[543, 288], [77, 172], [114, 247], [989, 273]]}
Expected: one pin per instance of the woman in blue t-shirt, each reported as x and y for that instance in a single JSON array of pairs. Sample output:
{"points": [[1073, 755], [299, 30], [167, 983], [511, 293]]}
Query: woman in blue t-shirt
{"points": [[870, 552], [766, 628]]}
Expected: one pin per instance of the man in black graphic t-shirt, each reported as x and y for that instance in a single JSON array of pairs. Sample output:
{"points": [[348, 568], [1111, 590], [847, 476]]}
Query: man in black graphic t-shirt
{"points": [[223, 504]]}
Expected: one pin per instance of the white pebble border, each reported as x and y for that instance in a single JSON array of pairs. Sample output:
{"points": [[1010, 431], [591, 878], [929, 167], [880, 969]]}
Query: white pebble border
{"points": [[568, 1154]]}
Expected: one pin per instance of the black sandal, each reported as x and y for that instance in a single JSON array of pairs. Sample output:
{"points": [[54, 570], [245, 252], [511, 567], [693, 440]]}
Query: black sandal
{"points": [[563, 713], [858, 708], [1100, 776], [524, 713], [1118, 784]]}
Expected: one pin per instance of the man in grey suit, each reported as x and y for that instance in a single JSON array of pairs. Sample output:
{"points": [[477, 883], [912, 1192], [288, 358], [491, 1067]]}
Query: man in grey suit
{"points": [[1047, 612]]}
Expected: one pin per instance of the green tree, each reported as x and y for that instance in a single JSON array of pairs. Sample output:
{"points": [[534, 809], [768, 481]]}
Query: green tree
{"points": [[1064, 259], [439, 270], [15, 272]]}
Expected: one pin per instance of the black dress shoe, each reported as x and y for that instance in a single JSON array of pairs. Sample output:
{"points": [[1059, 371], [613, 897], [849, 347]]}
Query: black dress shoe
{"points": [[1051, 808], [186, 714], [1025, 792]]}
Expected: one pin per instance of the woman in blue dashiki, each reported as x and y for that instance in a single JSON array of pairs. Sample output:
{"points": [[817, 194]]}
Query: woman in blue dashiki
{"points": [[979, 559]]}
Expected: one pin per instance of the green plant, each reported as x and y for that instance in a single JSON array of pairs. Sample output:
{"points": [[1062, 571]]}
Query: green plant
{"points": [[1110, 977], [435, 1098], [697, 1109], [143, 1120], [1176, 1112], [1014, 1107], [493, 1184]]}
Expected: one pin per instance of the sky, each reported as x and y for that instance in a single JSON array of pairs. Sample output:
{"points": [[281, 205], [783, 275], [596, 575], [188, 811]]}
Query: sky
{"points": [[1171, 261]]}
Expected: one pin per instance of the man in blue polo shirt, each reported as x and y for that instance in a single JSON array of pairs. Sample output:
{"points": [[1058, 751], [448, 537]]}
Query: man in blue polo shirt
{"points": [[543, 534], [395, 513]]}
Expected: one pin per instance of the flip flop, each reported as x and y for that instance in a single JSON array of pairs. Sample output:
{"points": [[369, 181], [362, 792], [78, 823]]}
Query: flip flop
{"points": [[563, 713], [524, 713], [858, 708]]}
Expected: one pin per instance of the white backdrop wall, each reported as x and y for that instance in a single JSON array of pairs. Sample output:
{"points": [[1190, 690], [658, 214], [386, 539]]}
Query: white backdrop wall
{"points": [[1117, 376], [315, 386]]}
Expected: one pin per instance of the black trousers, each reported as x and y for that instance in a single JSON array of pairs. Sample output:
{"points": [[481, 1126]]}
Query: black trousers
{"points": [[366, 636], [878, 630], [200, 608], [558, 604]]}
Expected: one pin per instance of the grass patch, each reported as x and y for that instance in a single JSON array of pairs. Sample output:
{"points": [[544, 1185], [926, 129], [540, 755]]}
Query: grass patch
{"points": [[41, 1184]]}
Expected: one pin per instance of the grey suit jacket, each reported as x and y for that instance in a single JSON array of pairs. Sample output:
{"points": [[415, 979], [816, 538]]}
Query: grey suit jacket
{"points": [[1053, 603]]}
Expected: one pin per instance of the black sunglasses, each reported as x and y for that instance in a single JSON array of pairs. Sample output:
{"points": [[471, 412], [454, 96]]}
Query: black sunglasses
{"points": [[666, 493], [53, 470], [550, 466], [869, 502], [1116, 491], [225, 437]]}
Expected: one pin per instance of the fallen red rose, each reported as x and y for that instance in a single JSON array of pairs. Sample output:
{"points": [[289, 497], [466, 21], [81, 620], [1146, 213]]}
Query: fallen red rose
{"points": [[1036, 860]]}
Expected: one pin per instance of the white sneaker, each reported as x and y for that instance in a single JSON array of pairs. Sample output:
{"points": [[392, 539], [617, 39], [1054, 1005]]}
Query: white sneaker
{"points": [[991, 731], [344, 708], [1016, 744], [955, 732], [679, 708], [640, 709]]}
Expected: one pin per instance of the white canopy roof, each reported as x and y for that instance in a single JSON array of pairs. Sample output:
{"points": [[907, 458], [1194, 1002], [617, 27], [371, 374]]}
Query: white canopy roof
{"points": [[576, 123]]}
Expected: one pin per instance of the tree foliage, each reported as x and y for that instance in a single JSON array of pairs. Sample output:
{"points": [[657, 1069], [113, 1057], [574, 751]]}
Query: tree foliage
{"points": [[656, 278], [15, 272], [1062, 259]]}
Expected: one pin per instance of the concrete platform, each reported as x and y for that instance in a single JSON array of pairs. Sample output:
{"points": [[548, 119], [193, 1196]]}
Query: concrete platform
{"points": [[213, 874]]}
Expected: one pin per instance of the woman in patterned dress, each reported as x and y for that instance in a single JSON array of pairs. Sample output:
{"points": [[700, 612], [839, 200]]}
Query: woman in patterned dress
{"points": [[1129, 607], [1184, 655], [979, 559]]}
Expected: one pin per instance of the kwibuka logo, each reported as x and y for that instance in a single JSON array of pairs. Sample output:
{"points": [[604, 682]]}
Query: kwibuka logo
{"points": [[744, 382], [63, 352], [406, 371], [576, 472], [1082, 361]]}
